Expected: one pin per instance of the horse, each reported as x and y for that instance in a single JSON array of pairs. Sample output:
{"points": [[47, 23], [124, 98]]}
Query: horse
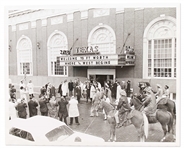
{"points": [[138, 119], [165, 116]]}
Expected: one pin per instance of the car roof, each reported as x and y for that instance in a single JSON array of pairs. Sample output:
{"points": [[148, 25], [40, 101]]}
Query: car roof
{"points": [[36, 124]]}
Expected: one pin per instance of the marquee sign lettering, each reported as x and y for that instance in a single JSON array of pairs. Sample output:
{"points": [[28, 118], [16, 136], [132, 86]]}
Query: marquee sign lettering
{"points": [[92, 60], [85, 50], [64, 52]]}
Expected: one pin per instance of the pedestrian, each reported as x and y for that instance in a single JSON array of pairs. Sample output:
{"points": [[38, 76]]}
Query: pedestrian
{"points": [[65, 88], [118, 91], [43, 91], [74, 86], [52, 108], [114, 89], [22, 84], [63, 112], [30, 87], [128, 88], [12, 109], [21, 108], [84, 91], [23, 93], [60, 89], [78, 93], [88, 86], [13, 92], [70, 88], [52, 91], [92, 90], [48, 86], [43, 105], [73, 110], [32, 104]]}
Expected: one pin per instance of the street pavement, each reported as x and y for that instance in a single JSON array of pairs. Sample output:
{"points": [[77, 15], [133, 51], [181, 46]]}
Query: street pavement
{"points": [[97, 126]]}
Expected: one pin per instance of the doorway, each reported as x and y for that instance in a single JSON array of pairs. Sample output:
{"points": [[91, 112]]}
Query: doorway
{"points": [[101, 75], [101, 79]]}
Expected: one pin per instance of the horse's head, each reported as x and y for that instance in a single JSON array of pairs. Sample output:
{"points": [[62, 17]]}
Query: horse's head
{"points": [[136, 100]]}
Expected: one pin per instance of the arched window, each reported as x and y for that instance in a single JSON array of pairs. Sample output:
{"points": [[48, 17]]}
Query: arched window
{"points": [[24, 56], [159, 48], [103, 36], [56, 42]]}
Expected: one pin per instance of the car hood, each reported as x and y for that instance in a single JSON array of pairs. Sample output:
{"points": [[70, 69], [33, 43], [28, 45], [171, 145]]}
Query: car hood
{"points": [[78, 137]]}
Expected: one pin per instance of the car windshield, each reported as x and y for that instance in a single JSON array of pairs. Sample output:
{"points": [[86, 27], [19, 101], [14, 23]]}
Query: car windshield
{"points": [[59, 133]]}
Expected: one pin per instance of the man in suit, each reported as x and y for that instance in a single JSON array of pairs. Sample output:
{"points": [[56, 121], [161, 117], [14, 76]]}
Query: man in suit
{"points": [[52, 91], [63, 112], [70, 87], [21, 108], [60, 89], [114, 89], [43, 91], [32, 107], [43, 106], [78, 93]]}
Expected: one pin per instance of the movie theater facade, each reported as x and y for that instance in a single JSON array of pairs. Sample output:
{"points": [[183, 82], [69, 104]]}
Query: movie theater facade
{"points": [[136, 44]]}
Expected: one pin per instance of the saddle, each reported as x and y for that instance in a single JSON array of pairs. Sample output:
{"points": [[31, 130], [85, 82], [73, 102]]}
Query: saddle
{"points": [[125, 117], [162, 101]]}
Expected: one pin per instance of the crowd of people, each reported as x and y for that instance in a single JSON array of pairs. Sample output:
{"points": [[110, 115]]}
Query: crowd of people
{"points": [[62, 102]]}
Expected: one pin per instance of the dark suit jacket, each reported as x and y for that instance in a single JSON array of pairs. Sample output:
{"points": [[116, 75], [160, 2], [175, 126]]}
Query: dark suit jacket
{"points": [[21, 108], [78, 91], [63, 112], [60, 89], [43, 105], [52, 91], [32, 108], [70, 86]]}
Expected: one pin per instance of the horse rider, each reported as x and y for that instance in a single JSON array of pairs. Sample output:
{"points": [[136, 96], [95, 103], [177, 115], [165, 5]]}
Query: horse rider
{"points": [[159, 93], [149, 102], [166, 92], [123, 108]]}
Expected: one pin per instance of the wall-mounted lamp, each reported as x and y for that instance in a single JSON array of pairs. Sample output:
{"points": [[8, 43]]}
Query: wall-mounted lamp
{"points": [[38, 45], [9, 48]]}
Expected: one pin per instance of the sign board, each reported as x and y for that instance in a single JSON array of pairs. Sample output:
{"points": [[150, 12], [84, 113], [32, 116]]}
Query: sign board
{"points": [[88, 60]]}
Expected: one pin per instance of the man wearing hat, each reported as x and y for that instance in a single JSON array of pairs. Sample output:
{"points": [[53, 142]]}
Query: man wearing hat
{"points": [[128, 88], [149, 102], [21, 108], [123, 108], [166, 92], [159, 93]]}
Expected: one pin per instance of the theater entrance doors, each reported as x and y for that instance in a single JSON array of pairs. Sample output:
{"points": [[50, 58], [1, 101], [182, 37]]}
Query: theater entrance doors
{"points": [[101, 75]]}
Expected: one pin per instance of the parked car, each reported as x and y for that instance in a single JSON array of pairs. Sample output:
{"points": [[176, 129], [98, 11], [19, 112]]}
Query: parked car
{"points": [[43, 130]]}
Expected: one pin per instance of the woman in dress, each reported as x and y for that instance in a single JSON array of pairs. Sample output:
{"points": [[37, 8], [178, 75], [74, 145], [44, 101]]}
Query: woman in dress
{"points": [[52, 108]]}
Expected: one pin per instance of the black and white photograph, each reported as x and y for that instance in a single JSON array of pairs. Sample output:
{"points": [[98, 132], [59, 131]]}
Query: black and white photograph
{"points": [[93, 75]]}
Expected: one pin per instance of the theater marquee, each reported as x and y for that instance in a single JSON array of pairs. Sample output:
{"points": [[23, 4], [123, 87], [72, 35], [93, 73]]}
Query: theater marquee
{"points": [[88, 60]]}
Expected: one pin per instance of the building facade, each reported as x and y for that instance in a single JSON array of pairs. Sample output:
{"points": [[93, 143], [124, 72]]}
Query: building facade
{"points": [[95, 43]]}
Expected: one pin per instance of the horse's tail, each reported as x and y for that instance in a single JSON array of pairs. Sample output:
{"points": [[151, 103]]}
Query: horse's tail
{"points": [[174, 110], [145, 125]]}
